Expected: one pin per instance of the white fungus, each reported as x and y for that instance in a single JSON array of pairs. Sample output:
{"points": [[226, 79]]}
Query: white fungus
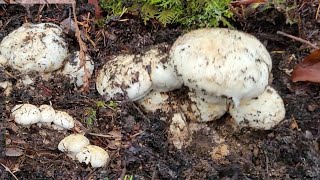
{"points": [[72, 68], [35, 47], [179, 131], [47, 113], [26, 114], [154, 101], [62, 120], [73, 144], [263, 112], [222, 62], [124, 75], [203, 108], [94, 155]]}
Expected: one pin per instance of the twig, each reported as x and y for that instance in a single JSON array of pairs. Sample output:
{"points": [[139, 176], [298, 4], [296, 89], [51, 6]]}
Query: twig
{"points": [[298, 39], [104, 135], [267, 163], [8, 169]]}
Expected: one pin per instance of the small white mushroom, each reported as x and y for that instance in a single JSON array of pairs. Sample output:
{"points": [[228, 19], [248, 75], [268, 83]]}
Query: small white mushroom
{"points": [[72, 68], [222, 62], [263, 112], [179, 132], [47, 113], [73, 144], [35, 47], [204, 108], [154, 101], [26, 114], [124, 75], [62, 120], [161, 72], [7, 86], [94, 155]]}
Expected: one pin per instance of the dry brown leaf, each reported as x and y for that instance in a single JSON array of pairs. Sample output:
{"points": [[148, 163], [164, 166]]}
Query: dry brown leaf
{"points": [[308, 69], [13, 152]]}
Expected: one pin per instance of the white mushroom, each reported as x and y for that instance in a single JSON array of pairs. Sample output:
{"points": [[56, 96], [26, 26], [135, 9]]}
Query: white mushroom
{"points": [[204, 108], [7, 86], [263, 112], [47, 113], [3, 60], [35, 47], [94, 155], [72, 68], [26, 114], [62, 120], [154, 101], [162, 74], [222, 62], [124, 75], [179, 132], [73, 144]]}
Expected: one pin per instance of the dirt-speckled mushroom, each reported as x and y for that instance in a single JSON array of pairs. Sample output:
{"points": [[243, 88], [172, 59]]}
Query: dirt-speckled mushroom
{"points": [[154, 101], [62, 121], [222, 62], [47, 114], [35, 47], [204, 108], [26, 114], [73, 144], [263, 112], [94, 155], [73, 70], [124, 75]]}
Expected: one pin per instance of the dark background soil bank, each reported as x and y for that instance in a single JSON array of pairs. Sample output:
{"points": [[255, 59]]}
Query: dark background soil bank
{"points": [[138, 143]]}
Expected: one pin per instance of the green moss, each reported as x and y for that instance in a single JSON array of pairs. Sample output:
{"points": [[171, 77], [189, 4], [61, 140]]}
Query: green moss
{"points": [[189, 13]]}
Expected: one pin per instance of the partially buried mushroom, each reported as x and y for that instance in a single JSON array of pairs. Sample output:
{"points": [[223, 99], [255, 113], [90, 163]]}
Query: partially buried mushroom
{"points": [[263, 112], [222, 62], [73, 144], [62, 120], [34, 47], [94, 155], [26, 114]]}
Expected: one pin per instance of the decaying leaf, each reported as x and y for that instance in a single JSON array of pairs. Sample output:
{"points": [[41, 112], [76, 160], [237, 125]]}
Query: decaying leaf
{"points": [[97, 9], [308, 69]]}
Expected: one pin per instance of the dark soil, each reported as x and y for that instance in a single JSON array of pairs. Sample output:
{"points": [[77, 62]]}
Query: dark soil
{"points": [[289, 151]]}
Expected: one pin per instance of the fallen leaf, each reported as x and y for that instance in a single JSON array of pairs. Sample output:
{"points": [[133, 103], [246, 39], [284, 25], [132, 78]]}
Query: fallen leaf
{"points": [[97, 9], [13, 152], [308, 69]]}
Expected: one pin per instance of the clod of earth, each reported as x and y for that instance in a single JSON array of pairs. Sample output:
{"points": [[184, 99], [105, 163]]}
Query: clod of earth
{"points": [[35, 47], [28, 114], [222, 62], [263, 112]]}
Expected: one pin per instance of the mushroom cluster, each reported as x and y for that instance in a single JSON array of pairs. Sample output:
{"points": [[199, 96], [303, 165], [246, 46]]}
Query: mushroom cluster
{"points": [[224, 70], [28, 114], [42, 48], [78, 147]]}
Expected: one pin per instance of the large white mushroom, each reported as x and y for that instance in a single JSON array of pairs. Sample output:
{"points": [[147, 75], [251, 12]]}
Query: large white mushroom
{"points": [[26, 114], [62, 120], [73, 144], [35, 47], [124, 75], [73, 69], [222, 62], [263, 112], [94, 155]]}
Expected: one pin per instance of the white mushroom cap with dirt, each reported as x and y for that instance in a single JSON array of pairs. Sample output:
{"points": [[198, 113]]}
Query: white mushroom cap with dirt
{"points": [[42, 48], [221, 67]]}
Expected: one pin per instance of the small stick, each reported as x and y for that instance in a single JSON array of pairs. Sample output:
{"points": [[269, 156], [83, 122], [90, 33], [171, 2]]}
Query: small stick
{"points": [[298, 39], [8, 169]]}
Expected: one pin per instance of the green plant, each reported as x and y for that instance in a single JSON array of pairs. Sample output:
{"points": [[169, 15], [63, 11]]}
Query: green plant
{"points": [[91, 115], [190, 13]]}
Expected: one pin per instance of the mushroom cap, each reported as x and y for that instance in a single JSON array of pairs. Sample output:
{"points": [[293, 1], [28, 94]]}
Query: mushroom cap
{"points": [[63, 120], [161, 72], [154, 101], [47, 113], [222, 62], [263, 112], [203, 108], [94, 155], [26, 114], [72, 68], [124, 75], [73, 144], [35, 47]]}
